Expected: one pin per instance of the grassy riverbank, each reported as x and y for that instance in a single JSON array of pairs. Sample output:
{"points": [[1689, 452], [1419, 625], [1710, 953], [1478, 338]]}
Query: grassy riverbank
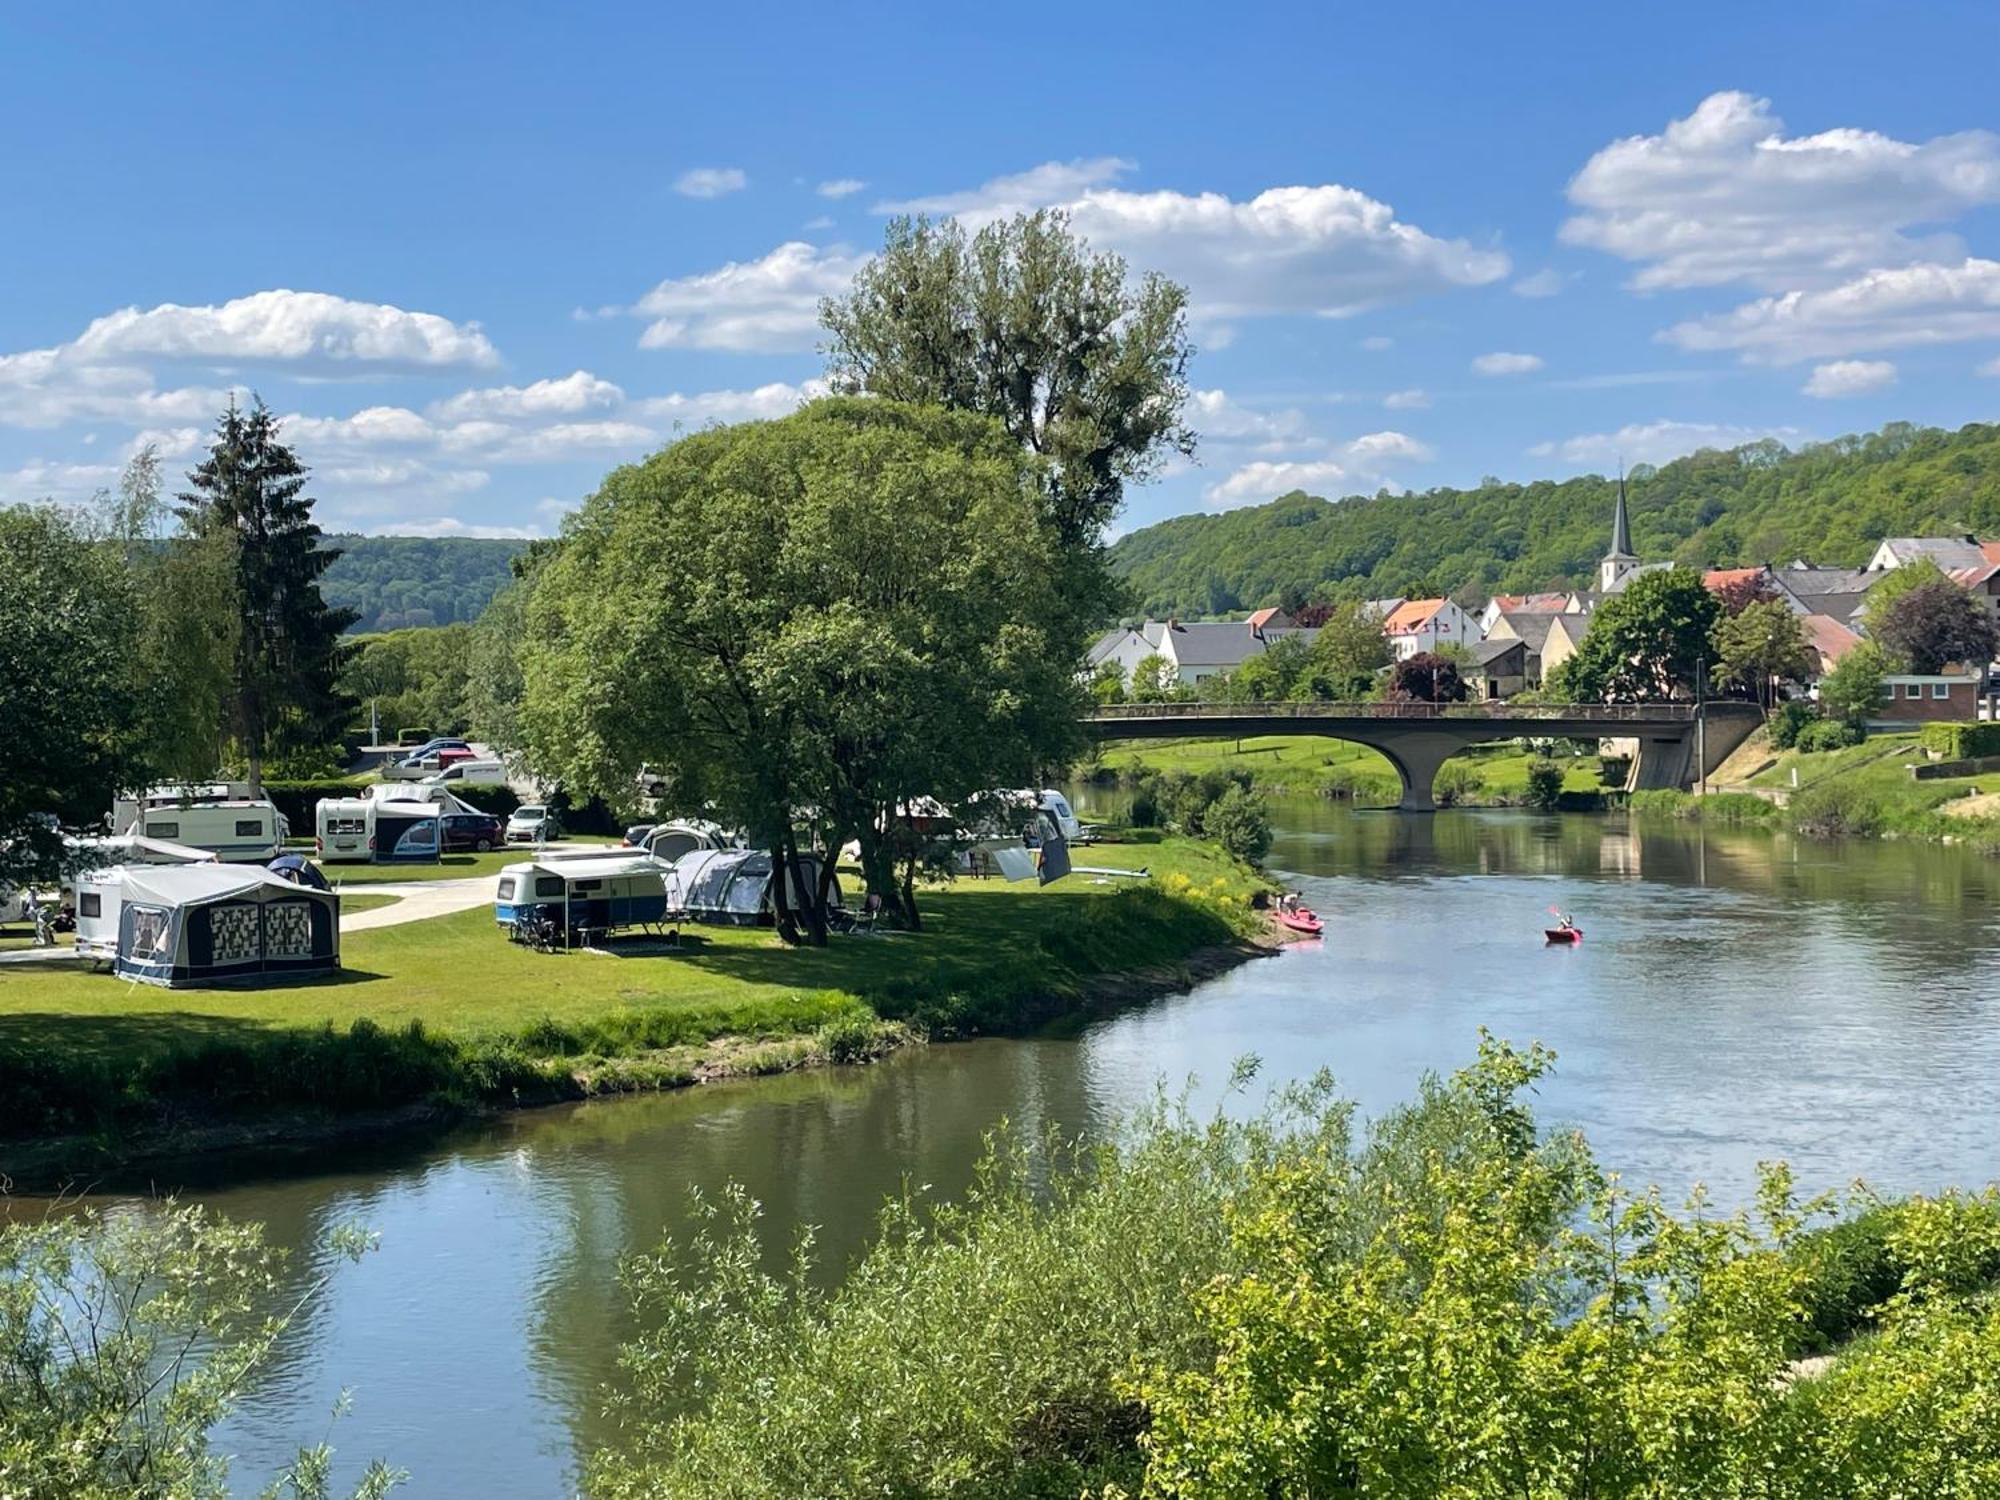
{"points": [[445, 1012], [1307, 766]]}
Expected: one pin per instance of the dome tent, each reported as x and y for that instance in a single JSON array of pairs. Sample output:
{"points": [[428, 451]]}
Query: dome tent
{"points": [[734, 885]]}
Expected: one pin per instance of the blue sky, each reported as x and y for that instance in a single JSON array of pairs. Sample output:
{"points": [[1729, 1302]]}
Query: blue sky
{"points": [[479, 255]]}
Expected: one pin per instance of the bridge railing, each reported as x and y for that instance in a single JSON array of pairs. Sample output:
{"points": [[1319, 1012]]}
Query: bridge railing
{"points": [[1630, 713]]}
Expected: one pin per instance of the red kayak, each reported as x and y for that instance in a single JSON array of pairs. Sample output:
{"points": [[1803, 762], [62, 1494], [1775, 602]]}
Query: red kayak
{"points": [[1300, 921], [1563, 934]]}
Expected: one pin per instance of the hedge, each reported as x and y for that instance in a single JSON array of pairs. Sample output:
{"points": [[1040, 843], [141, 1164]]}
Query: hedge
{"points": [[296, 800], [1961, 741]]}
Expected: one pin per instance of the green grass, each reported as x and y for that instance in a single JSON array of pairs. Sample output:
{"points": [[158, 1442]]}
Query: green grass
{"points": [[450, 867], [365, 902], [1307, 765], [447, 1008]]}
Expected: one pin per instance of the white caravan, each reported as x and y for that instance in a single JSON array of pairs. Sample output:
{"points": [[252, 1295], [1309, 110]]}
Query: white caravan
{"points": [[374, 830], [221, 818]]}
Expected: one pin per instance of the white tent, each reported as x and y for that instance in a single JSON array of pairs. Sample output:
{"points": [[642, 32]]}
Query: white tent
{"points": [[179, 925]]}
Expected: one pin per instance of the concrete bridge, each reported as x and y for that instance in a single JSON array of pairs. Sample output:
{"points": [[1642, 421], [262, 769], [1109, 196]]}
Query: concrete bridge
{"points": [[1418, 738]]}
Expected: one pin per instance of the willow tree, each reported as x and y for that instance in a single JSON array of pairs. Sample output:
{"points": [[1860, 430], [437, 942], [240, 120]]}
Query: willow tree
{"points": [[808, 622]]}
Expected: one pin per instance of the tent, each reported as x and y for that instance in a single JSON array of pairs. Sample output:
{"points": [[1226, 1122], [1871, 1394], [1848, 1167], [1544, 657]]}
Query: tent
{"points": [[618, 888], [181, 925], [734, 885], [671, 840]]}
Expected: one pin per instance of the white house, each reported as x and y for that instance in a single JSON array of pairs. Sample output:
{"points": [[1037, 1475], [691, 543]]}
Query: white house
{"points": [[1418, 625], [1197, 650]]}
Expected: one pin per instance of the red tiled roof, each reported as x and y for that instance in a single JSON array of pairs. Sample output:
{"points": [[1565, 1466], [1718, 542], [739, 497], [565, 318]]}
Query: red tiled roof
{"points": [[1990, 551], [1412, 615], [1829, 639], [1728, 578], [1264, 617]]}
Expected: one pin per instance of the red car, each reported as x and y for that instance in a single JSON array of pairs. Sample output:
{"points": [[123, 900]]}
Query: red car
{"points": [[475, 831]]}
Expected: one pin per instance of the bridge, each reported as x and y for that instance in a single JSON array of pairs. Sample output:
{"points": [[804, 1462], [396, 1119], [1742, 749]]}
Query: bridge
{"points": [[1417, 738]]}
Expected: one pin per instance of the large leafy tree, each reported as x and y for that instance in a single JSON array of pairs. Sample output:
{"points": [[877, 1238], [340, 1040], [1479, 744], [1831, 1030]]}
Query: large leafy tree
{"points": [[1936, 624], [1852, 691], [1024, 323], [1347, 655], [69, 683], [1426, 677], [249, 496], [819, 619], [1644, 644], [1760, 645]]}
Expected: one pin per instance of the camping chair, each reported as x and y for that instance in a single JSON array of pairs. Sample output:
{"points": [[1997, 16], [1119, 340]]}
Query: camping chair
{"points": [[853, 922]]}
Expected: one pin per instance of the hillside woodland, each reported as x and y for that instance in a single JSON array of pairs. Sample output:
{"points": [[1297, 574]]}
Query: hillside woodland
{"points": [[391, 582]]}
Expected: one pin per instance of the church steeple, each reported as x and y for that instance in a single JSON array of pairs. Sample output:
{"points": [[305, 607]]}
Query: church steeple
{"points": [[1620, 560]]}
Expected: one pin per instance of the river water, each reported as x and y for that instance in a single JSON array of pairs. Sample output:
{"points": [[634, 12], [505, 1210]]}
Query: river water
{"points": [[1738, 997]]}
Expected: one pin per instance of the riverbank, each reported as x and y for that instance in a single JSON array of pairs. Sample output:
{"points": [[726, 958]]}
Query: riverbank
{"points": [[1307, 766], [436, 1019]]}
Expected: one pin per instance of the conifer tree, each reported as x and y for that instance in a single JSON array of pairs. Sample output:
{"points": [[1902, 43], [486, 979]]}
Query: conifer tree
{"points": [[250, 496]]}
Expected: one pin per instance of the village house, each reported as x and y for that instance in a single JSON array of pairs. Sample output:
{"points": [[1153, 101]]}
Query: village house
{"points": [[1196, 650], [1501, 669], [1913, 698], [1419, 625]]}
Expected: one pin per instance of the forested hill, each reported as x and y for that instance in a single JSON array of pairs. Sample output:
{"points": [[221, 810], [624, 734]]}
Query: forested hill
{"points": [[1829, 502], [396, 581]]}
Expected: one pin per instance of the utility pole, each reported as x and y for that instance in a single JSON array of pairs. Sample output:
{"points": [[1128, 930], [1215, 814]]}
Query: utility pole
{"points": [[1701, 727]]}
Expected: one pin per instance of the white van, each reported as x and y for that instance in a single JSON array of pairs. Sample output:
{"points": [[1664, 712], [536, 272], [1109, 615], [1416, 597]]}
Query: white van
{"points": [[468, 770], [239, 831]]}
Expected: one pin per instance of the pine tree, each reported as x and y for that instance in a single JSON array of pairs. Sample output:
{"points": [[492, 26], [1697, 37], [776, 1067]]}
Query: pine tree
{"points": [[288, 650]]}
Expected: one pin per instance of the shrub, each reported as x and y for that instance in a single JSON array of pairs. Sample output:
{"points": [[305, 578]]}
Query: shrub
{"points": [[1791, 720], [1145, 811], [1545, 783], [489, 797], [297, 799], [1828, 734], [1456, 783], [1960, 741], [1837, 808], [1614, 770], [1239, 822]]}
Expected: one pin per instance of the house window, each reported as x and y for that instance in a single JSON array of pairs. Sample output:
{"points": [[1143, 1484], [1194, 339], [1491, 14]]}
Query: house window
{"points": [[90, 904], [1940, 690], [1889, 691], [163, 830], [249, 828], [1913, 690]]}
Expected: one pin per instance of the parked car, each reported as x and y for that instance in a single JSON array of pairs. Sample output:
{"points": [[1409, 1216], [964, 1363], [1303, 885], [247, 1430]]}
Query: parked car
{"points": [[475, 769], [635, 836], [474, 831], [532, 823]]}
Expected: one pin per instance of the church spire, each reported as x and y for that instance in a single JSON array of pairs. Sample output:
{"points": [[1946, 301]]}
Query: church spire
{"points": [[1621, 531]]}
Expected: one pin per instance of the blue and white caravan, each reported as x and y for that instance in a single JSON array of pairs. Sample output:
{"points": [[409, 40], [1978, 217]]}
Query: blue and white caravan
{"points": [[603, 892], [379, 831], [207, 924]]}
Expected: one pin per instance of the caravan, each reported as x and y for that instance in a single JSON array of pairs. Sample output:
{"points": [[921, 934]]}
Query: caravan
{"points": [[598, 892], [177, 925], [371, 830], [222, 818]]}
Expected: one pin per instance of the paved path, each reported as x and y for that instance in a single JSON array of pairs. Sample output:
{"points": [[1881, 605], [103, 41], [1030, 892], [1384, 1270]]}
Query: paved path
{"points": [[416, 900]]}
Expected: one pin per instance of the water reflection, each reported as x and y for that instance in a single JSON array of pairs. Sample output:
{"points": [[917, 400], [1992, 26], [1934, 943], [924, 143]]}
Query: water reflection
{"points": [[1738, 997]]}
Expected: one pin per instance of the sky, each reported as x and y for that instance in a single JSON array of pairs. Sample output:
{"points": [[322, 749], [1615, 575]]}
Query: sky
{"points": [[477, 256]]}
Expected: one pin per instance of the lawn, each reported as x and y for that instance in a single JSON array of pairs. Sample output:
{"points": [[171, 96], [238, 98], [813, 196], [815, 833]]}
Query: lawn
{"points": [[85, 1050], [451, 866], [1308, 765]]}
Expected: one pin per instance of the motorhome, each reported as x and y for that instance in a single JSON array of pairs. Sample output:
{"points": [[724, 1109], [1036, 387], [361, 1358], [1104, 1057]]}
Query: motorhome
{"points": [[221, 817], [365, 830]]}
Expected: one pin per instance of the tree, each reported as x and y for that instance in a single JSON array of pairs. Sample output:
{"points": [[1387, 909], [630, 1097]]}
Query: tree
{"points": [[1347, 655], [1271, 675], [1644, 644], [71, 727], [1852, 691], [250, 492], [1891, 586], [1107, 683], [819, 619], [1761, 644], [1545, 784], [1740, 593], [1427, 677], [1155, 680], [1936, 624], [1024, 323]]}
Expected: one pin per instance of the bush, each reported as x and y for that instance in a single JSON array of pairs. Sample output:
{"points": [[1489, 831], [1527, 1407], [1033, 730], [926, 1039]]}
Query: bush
{"points": [[1837, 808], [1960, 741], [1789, 722], [488, 796], [412, 736], [1456, 783], [1614, 770], [1828, 734], [1545, 784], [295, 800], [1145, 812], [1239, 822]]}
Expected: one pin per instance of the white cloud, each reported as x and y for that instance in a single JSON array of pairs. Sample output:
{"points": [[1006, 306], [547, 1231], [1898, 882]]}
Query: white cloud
{"points": [[711, 182], [840, 187], [1546, 282], [813, 225], [1360, 462], [1725, 196], [64, 483], [1887, 309], [703, 407], [43, 388], [1657, 442], [285, 327], [452, 526], [1375, 343], [393, 474], [1506, 364], [1051, 183], [576, 392], [1218, 417], [1412, 400], [1850, 377], [769, 305], [547, 444]]}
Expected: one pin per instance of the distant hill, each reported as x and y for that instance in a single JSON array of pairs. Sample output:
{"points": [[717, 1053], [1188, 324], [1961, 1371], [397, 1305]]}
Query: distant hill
{"points": [[1829, 502], [397, 581]]}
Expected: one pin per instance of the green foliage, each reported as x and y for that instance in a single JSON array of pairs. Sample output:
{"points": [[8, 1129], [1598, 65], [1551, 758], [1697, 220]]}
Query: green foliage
{"points": [[1937, 625], [125, 1338], [1216, 804], [1458, 781], [1734, 809], [1852, 691], [1828, 734], [400, 582], [295, 798], [1645, 643], [1838, 808], [1427, 677], [73, 703], [1107, 684], [1156, 680], [494, 687], [413, 678], [1791, 717], [1831, 502], [1960, 741], [1239, 821], [1921, 573], [1347, 656], [1761, 644], [1545, 784]]}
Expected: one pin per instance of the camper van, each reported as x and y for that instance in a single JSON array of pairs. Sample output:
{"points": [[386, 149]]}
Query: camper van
{"points": [[364, 830], [221, 817]]}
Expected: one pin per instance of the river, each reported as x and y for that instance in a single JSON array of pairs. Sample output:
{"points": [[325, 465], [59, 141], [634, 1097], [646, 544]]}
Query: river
{"points": [[1738, 997]]}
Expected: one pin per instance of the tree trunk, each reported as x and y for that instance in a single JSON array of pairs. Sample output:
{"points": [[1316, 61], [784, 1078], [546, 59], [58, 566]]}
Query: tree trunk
{"points": [[829, 871], [781, 903], [878, 869], [909, 893], [790, 875]]}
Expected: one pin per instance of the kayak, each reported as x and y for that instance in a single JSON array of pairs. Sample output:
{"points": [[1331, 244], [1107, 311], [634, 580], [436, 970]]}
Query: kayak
{"points": [[1300, 921], [1563, 934]]}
